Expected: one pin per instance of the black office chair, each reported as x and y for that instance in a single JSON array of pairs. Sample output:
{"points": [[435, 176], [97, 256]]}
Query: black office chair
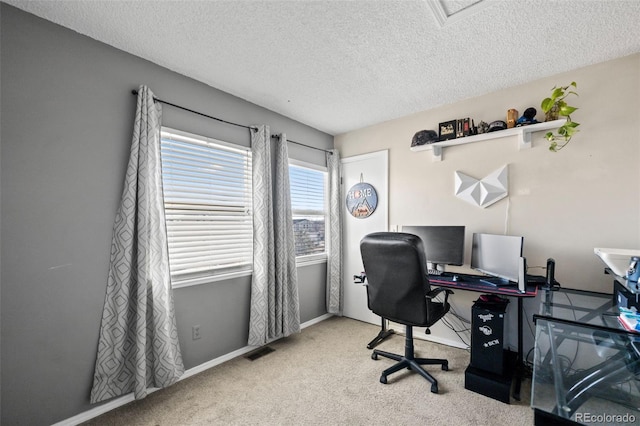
{"points": [[398, 290]]}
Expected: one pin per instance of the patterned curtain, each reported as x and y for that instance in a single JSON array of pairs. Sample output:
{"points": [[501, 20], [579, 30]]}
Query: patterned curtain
{"points": [[334, 263], [138, 346], [275, 306]]}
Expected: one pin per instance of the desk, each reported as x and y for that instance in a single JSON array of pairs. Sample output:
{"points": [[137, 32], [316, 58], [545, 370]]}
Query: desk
{"points": [[585, 364], [472, 283]]}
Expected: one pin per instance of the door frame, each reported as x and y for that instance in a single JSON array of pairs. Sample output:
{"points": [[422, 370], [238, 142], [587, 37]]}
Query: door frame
{"points": [[383, 156]]}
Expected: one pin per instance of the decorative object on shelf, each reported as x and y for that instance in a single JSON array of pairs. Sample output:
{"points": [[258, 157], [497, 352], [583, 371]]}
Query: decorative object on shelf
{"points": [[462, 127], [424, 137], [494, 126], [482, 127], [448, 130], [485, 191], [361, 200], [512, 115], [529, 117], [523, 136], [556, 106]]}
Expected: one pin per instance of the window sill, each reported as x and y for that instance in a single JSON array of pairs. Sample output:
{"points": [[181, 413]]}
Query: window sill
{"points": [[301, 261], [210, 279], [313, 259]]}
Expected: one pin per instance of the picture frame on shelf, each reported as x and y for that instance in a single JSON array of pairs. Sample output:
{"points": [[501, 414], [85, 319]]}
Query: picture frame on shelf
{"points": [[447, 130]]}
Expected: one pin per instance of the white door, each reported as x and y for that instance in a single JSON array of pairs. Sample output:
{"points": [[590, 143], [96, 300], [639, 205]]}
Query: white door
{"points": [[373, 169]]}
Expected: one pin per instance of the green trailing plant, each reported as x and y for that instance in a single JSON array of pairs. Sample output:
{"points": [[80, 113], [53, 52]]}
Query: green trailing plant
{"points": [[556, 106]]}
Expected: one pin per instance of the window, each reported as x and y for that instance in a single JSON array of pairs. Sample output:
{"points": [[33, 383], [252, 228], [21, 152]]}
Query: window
{"points": [[207, 197], [309, 209]]}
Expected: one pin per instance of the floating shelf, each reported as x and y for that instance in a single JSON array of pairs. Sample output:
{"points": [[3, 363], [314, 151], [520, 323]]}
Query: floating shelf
{"points": [[523, 133]]}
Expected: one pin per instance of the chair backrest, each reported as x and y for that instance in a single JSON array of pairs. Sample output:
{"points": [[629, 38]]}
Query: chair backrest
{"points": [[396, 270]]}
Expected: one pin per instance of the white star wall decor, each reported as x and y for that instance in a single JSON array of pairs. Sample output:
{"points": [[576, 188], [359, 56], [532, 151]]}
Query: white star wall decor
{"points": [[483, 192]]}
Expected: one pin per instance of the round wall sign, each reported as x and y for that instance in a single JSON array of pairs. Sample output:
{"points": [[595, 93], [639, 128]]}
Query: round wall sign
{"points": [[362, 200]]}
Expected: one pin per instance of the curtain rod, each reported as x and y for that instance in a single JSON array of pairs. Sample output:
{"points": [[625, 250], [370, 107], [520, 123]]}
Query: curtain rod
{"points": [[135, 92], [308, 146]]}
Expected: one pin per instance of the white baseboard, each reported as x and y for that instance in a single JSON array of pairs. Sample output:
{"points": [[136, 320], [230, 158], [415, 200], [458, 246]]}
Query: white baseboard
{"points": [[315, 320], [442, 340], [119, 402]]}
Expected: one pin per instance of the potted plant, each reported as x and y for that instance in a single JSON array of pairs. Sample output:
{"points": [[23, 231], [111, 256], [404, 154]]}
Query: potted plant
{"points": [[555, 107]]}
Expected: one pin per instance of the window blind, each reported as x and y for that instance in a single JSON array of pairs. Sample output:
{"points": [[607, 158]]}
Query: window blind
{"points": [[308, 207], [207, 196]]}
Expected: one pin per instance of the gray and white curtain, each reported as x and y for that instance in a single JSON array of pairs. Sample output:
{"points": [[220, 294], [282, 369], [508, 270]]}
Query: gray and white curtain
{"points": [[138, 346], [275, 307], [335, 290]]}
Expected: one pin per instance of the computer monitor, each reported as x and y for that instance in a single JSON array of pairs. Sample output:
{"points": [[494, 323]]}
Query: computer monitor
{"points": [[443, 245], [497, 255]]}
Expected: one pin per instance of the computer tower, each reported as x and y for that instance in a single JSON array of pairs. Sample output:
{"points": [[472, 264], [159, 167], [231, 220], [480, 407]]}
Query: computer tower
{"points": [[623, 298], [487, 334]]}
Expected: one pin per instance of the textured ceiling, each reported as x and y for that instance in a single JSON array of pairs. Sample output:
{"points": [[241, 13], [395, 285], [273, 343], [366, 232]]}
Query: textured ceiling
{"points": [[342, 65]]}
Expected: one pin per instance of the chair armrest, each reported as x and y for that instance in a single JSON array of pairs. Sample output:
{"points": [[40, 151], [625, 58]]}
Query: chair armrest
{"points": [[360, 279], [434, 292]]}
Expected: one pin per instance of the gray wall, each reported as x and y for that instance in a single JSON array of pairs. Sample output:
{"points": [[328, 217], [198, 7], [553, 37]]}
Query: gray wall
{"points": [[66, 122]]}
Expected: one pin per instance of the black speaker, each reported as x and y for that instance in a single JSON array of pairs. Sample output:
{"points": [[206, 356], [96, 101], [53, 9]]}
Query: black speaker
{"points": [[551, 272], [487, 335]]}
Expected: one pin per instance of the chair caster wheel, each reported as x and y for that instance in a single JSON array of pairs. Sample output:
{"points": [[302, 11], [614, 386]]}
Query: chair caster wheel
{"points": [[434, 388], [383, 380], [374, 356], [445, 367]]}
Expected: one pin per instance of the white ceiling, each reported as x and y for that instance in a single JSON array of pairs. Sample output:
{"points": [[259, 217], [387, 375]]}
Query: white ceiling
{"points": [[342, 65]]}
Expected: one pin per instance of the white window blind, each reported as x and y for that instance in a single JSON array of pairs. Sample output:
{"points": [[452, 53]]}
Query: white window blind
{"points": [[207, 196], [309, 207]]}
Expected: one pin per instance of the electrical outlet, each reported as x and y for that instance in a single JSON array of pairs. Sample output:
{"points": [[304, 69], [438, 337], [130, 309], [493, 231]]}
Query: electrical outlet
{"points": [[195, 332]]}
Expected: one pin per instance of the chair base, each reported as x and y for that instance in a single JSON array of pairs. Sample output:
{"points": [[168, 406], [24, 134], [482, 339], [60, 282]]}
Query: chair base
{"points": [[410, 362]]}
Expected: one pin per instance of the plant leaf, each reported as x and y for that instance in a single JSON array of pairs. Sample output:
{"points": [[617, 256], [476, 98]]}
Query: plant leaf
{"points": [[567, 110], [557, 93], [547, 104], [570, 131]]}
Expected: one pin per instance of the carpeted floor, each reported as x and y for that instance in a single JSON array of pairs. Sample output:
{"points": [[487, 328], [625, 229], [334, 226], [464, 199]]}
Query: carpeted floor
{"points": [[324, 376]]}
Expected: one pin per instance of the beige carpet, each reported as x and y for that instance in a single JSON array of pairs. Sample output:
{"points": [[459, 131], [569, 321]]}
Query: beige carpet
{"points": [[324, 376]]}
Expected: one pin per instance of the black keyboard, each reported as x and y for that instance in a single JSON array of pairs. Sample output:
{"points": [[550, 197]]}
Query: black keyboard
{"points": [[497, 282]]}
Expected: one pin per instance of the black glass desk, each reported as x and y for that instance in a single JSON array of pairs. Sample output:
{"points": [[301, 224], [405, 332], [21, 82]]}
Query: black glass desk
{"points": [[586, 365], [473, 283]]}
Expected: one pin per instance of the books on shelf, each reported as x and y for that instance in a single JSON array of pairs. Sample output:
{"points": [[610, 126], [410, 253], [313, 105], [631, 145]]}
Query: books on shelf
{"points": [[629, 319]]}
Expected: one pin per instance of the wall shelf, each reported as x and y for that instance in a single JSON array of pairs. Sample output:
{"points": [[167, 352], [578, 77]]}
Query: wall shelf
{"points": [[523, 133]]}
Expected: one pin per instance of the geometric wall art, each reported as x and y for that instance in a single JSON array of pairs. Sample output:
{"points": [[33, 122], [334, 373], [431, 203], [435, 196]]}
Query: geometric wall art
{"points": [[485, 191]]}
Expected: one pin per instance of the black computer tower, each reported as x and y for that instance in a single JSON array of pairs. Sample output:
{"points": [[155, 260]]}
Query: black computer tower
{"points": [[623, 298], [487, 335]]}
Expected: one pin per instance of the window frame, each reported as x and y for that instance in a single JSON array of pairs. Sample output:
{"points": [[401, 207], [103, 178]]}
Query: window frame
{"points": [[315, 258], [223, 273]]}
